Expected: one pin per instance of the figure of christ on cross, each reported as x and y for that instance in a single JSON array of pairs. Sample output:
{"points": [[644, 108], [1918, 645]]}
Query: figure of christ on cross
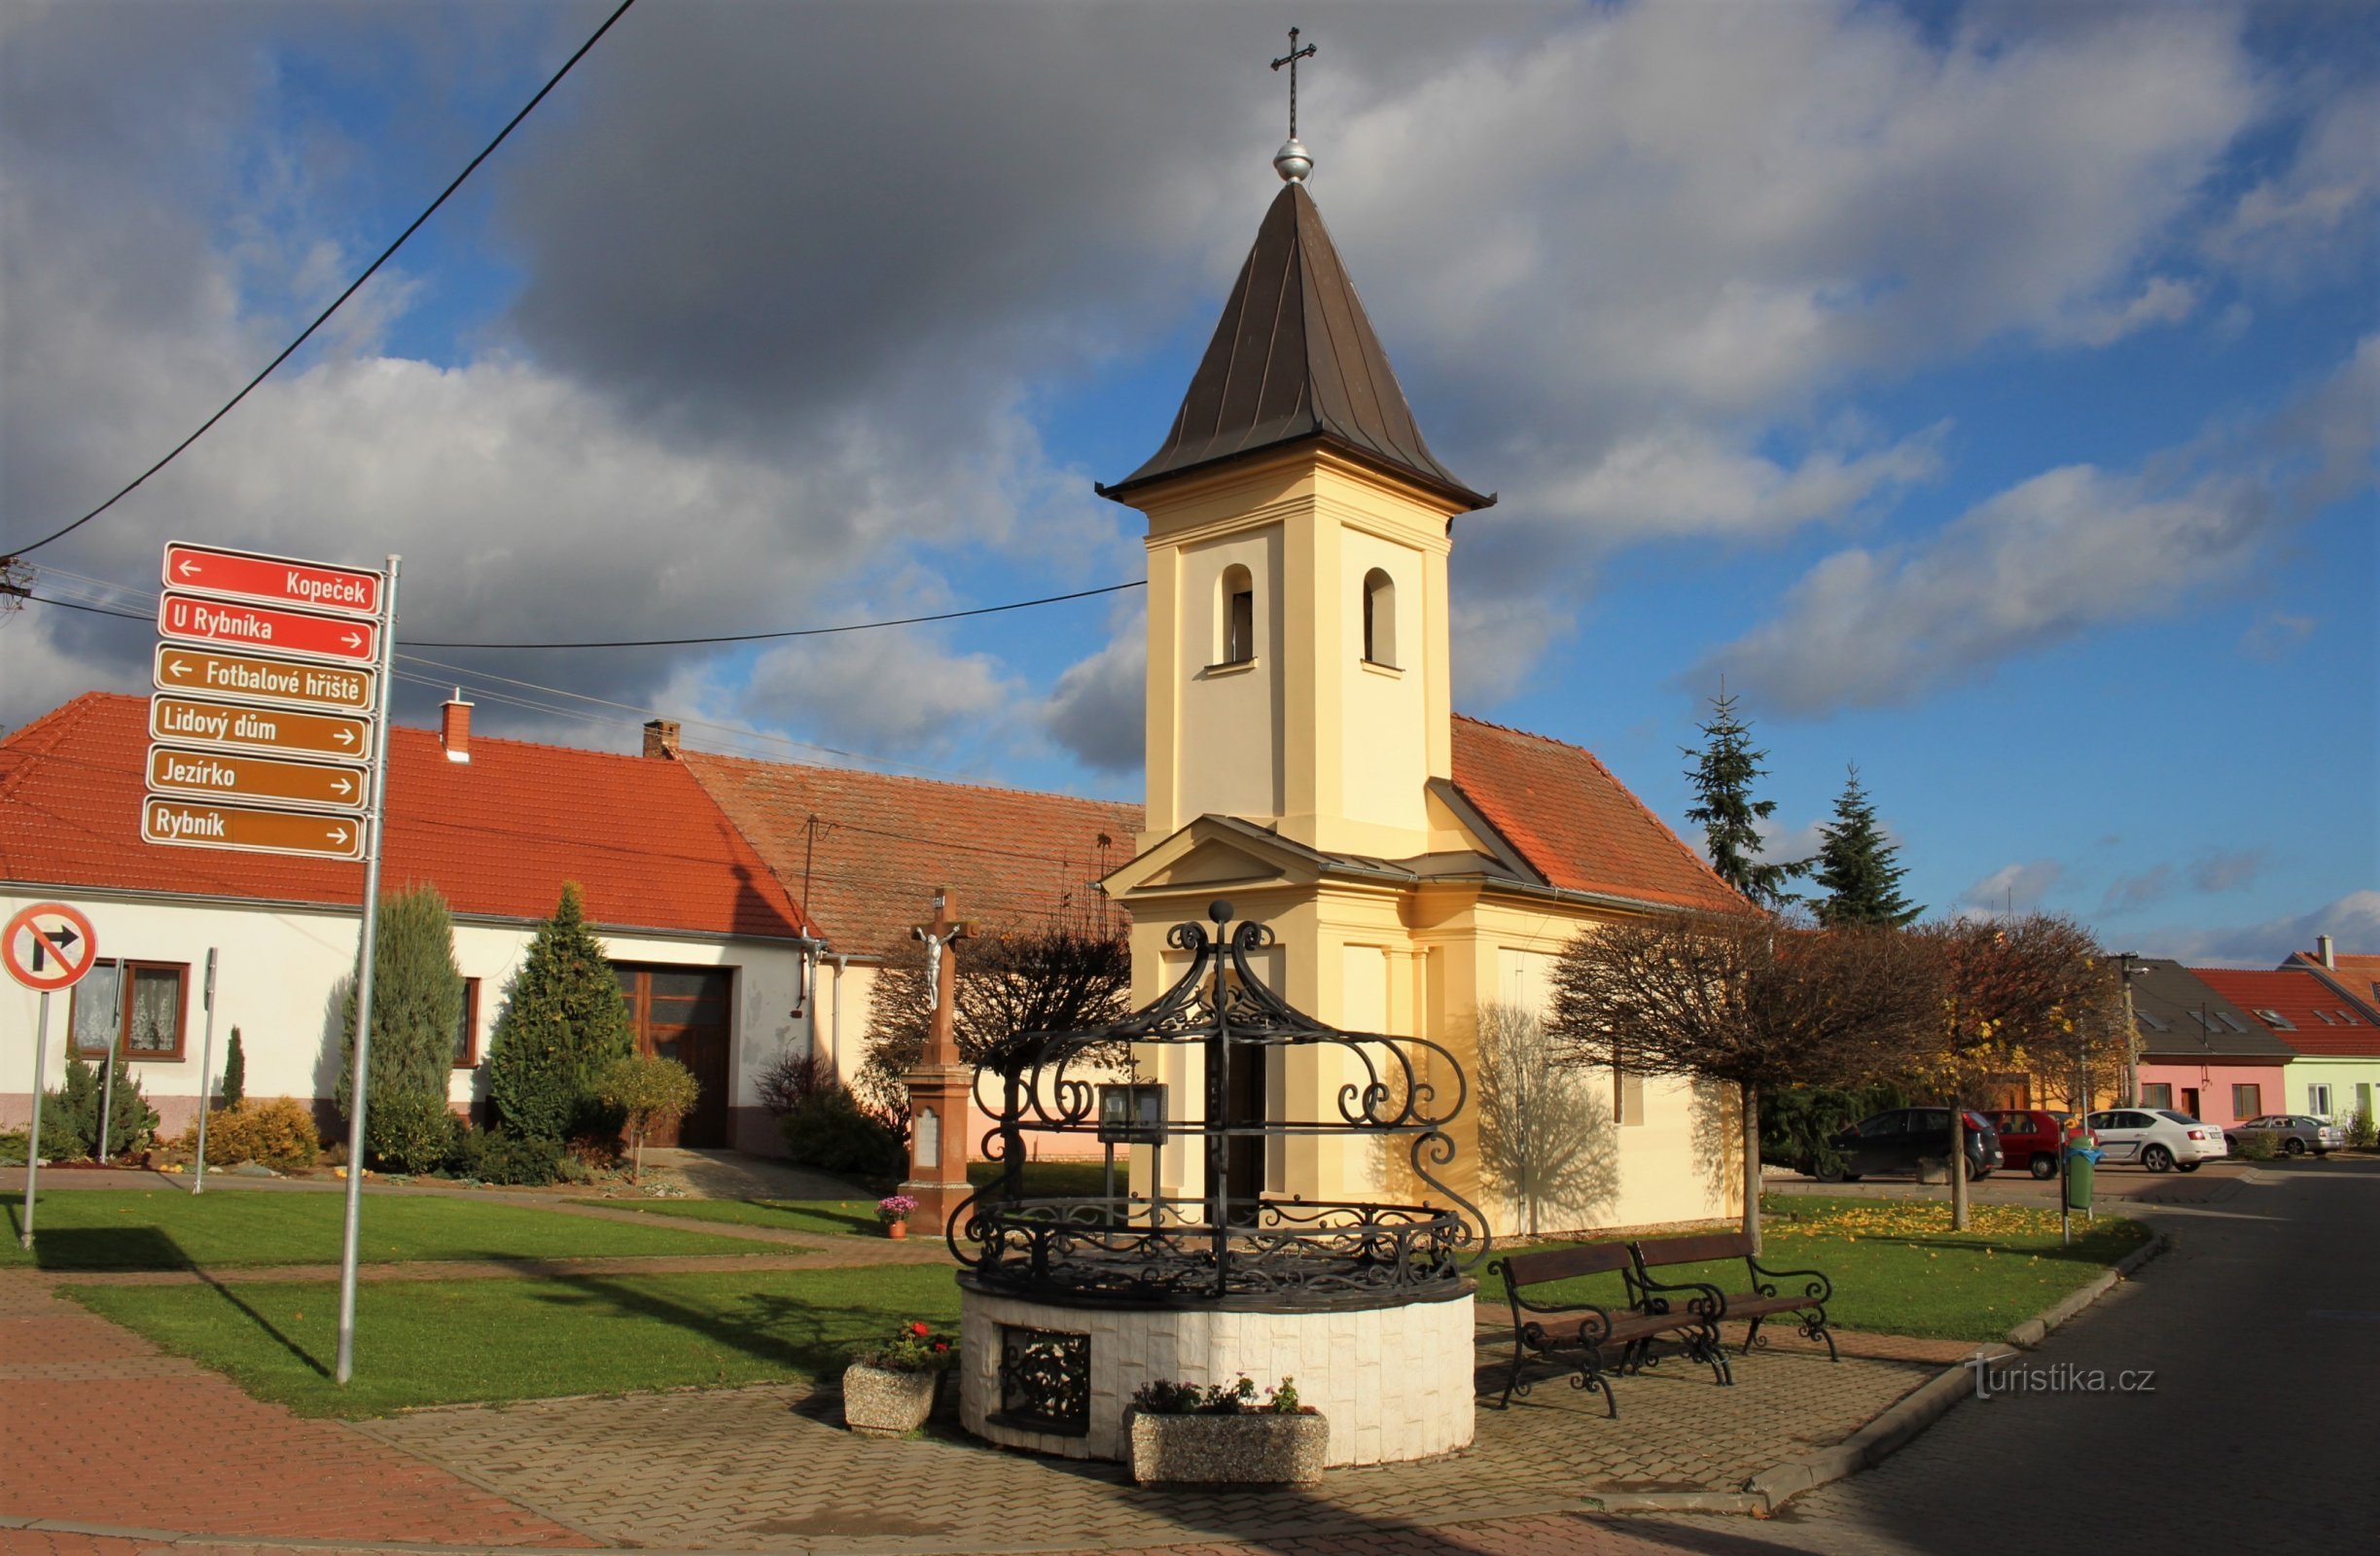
{"points": [[942, 1082]]}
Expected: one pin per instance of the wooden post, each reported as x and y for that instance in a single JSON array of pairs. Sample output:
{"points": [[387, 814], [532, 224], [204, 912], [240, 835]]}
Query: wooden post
{"points": [[941, 1083]]}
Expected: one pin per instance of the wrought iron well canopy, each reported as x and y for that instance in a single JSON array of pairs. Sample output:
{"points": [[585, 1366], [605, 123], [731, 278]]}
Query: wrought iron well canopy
{"points": [[1232, 1244]]}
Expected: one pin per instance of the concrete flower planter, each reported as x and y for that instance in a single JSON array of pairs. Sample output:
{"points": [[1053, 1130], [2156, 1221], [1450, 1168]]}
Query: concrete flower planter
{"points": [[881, 1404], [1240, 1450]]}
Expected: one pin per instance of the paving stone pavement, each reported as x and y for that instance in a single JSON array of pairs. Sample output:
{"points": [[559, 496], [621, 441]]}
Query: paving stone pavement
{"points": [[757, 1469]]}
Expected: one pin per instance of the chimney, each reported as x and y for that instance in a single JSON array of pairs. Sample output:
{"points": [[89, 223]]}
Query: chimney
{"points": [[661, 738], [455, 728], [2326, 951]]}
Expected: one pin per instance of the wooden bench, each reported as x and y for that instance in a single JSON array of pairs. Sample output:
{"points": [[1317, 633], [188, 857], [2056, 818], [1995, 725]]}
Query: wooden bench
{"points": [[1577, 1331], [1768, 1296]]}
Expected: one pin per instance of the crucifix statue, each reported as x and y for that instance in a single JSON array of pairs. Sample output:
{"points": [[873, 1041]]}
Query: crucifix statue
{"points": [[942, 1082], [1293, 161]]}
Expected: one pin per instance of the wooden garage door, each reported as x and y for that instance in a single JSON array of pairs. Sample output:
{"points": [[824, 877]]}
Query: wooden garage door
{"points": [[683, 1013]]}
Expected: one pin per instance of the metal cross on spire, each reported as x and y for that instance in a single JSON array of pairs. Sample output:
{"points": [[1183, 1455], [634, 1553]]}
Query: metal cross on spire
{"points": [[1292, 161], [1291, 60]]}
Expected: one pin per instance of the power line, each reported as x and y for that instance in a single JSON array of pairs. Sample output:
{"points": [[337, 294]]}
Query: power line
{"points": [[323, 317], [794, 632]]}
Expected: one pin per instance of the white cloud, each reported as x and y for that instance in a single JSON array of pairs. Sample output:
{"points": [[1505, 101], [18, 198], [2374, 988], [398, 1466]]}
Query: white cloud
{"points": [[2137, 890], [2352, 920], [2163, 301], [1097, 709], [2227, 869], [2011, 888], [1684, 478]]}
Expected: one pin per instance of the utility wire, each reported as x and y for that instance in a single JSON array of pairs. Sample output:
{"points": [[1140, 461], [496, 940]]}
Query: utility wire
{"points": [[321, 318], [795, 632]]}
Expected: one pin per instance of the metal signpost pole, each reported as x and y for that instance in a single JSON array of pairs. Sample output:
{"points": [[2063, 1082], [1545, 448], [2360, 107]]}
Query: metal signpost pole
{"points": [[365, 957], [32, 1141], [206, 1072], [107, 1088]]}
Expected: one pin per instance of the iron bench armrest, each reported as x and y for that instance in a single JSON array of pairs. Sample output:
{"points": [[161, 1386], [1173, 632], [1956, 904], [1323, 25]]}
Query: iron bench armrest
{"points": [[1765, 1281]]}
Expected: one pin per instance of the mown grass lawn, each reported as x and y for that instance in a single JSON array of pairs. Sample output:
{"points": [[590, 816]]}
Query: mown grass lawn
{"points": [[833, 1218], [1898, 1269], [164, 1230], [453, 1342]]}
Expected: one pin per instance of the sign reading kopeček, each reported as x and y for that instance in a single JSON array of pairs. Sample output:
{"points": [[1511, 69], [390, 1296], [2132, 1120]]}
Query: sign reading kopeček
{"points": [[234, 727], [273, 580], [256, 780], [260, 678], [194, 823], [195, 619]]}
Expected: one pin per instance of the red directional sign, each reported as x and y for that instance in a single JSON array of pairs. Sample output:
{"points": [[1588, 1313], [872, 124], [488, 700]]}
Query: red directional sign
{"points": [[342, 640], [49, 946], [273, 580]]}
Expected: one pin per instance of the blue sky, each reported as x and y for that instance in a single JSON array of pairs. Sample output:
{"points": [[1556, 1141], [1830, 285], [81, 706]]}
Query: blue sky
{"points": [[1987, 393]]}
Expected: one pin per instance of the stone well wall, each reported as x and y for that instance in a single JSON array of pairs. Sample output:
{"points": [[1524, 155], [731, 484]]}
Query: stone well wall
{"points": [[1395, 1382]]}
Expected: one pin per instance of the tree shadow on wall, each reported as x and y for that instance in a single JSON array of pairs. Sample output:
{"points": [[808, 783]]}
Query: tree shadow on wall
{"points": [[1548, 1141], [1715, 1116]]}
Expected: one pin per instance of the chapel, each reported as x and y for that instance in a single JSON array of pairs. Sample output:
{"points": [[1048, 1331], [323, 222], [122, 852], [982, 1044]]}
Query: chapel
{"points": [[1419, 869]]}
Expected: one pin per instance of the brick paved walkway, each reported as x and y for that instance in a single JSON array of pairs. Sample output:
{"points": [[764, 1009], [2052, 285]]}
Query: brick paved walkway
{"points": [[165, 1444]]}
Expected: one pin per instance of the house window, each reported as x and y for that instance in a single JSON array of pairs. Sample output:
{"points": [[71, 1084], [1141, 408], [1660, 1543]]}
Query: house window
{"points": [[136, 1005], [467, 1030], [2157, 1094], [1627, 1097], [2318, 1100], [2246, 1101], [2274, 1018], [1235, 635], [1379, 618]]}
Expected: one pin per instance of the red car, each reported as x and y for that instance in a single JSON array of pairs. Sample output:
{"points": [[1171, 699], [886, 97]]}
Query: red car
{"points": [[2032, 1138]]}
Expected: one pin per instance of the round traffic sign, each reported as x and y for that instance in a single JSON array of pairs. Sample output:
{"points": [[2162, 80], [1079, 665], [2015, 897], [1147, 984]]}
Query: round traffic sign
{"points": [[49, 946]]}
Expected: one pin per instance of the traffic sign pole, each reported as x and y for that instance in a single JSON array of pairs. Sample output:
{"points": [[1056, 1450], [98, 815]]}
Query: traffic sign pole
{"points": [[206, 1074], [365, 957], [32, 1141]]}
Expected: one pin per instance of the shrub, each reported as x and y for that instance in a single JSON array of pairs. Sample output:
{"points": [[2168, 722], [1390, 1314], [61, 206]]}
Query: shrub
{"points": [[234, 1074], [563, 1021], [12, 1147], [913, 1348], [1166, 1398], [410, 1132], [463, 1153], [2253, 1145], [279, 1134], [70, 1114], [528, 1163], [832, 1134], [416, 1003], [651, 1093], [2362, 1129], [789, 1080]]}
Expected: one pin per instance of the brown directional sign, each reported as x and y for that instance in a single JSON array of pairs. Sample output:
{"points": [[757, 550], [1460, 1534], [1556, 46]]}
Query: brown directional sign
{"points": [[258, 780], [198, 824], [262, 678], [236, 726]]}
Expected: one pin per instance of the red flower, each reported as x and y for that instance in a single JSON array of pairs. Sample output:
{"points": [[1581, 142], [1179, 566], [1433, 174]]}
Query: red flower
{"points": [[941, 1344], [920, 1331]]}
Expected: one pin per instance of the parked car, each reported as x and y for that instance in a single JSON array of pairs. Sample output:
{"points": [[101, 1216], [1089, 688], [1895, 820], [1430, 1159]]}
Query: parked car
{"points": [[2295, 1133], [2032, 1138], [2158, 1139], [1896, 1141]]}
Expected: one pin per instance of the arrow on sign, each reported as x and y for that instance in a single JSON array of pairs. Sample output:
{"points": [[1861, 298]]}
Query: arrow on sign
{"points": [[188, 569], [339, 835]]}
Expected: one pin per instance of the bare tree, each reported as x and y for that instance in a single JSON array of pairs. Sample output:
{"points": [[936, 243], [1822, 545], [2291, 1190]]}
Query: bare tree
{"points": [[1746, 999], [1544, 1135], [2002, 988]]}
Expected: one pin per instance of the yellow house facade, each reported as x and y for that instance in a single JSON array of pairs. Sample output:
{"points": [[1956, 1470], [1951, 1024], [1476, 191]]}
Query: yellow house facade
{"points": [[1419, 870]]}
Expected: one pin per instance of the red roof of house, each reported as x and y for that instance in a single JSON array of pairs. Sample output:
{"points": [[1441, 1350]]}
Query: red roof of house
{"points": [[2359, 976], [1577, 825], [883, 843], [2298, 1008], [498, 834]]}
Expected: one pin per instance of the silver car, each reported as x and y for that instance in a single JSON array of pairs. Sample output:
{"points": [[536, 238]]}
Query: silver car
{"points": [[2291, 1133]]}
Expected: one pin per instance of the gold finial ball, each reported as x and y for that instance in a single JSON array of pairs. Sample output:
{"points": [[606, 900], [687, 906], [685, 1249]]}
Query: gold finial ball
{"points": [[1293, 161]]}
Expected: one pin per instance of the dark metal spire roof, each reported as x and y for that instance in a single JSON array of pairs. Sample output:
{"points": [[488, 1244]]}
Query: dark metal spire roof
{"points": [[1295, 358]]}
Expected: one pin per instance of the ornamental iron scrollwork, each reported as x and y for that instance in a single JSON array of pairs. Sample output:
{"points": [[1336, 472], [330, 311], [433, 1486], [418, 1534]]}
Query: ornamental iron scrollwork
{"points": [[1045, 1380], [1231, 1243]]}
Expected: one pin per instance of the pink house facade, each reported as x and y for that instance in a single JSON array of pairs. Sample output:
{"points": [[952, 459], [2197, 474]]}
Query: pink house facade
{"points": [[2200, 1054], [2222, 1091]]}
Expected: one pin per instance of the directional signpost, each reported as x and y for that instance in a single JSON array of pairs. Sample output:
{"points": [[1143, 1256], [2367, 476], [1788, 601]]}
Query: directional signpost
{"points": [[48, 947], [271, 724]]}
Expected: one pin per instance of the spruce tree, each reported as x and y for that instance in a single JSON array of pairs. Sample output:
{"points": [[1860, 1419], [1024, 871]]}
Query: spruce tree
{"points": [[416, 1001], [1722, 774], [1858, 868], [563, 1022]]}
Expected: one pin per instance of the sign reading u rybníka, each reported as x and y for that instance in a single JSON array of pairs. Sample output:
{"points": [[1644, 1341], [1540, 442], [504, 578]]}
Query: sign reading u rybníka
{"points": [[263, 751]]}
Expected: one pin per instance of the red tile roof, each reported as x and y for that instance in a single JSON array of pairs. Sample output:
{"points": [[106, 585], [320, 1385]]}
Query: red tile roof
{"points": [[497, 835], [883, 844], [2318, 1021], [1577, 824], [2359, 976]]}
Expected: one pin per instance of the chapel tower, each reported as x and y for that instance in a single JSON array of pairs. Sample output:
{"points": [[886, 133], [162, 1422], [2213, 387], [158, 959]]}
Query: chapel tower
{"points": [[1298, 528]]}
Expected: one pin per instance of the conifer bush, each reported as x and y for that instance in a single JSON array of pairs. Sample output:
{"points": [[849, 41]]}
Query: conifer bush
{"points": [[563, 1022], [70, 1114], [416, 1003], [234, 1074], [409, 1132]]}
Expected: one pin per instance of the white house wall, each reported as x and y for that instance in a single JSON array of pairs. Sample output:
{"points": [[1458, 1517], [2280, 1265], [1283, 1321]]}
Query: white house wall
{"points": [[278, 967]]}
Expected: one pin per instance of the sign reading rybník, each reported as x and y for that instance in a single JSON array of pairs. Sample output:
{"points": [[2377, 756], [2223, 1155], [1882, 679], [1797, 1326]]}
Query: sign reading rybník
{"points": [[270, 730]]}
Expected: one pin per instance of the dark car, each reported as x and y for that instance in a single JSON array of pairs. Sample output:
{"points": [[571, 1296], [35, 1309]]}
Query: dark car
{"points": [[2032, 1138], [1895, 1142]]}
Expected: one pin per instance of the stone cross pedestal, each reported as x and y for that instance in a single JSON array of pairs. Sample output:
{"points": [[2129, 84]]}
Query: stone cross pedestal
{"points": [[941, 1083]]}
